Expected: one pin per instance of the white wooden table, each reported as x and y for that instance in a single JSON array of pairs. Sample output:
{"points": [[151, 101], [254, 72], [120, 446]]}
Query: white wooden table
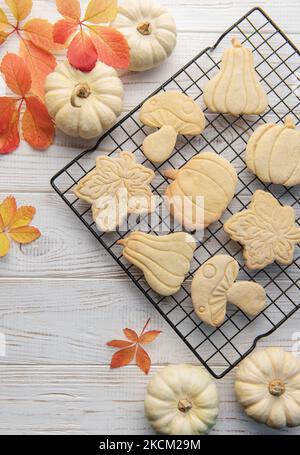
{"points": [[63, 297]]}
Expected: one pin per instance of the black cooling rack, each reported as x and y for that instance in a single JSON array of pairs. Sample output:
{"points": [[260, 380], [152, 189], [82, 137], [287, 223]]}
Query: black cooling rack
{"points": [[278, 65]]}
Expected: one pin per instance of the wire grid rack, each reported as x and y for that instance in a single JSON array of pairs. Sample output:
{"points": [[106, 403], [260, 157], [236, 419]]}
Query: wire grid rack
{"points": [[277, 64]]}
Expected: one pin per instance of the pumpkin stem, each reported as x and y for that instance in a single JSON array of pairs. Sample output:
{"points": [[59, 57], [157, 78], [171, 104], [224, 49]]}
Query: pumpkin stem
{"points": [[277, 387], [145, 28], [184, 406], [236, 42], [289, 122], [81, 90], [171, 174], [122, 242]]}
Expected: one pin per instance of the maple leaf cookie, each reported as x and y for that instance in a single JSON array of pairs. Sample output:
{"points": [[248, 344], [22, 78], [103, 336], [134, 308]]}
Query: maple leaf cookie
{"points": [[267, 230], [115, 188]]}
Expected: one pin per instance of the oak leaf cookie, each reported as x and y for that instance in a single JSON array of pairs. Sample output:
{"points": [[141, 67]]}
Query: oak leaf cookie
{"points": [[267, 230], [115, 188], [164, 260], [235, 89], [201, 191], [273, 153], [174, 113], [214, 286]]}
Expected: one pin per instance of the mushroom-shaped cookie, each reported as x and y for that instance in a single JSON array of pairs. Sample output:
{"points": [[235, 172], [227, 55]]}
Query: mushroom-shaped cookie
{"points": [[214, 286], [164, 260], [174, 113]]}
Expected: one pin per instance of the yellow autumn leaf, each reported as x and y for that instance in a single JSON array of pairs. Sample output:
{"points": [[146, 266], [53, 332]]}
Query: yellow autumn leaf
{"points": [[19, 8], [22, 217], [3, 20], [25, 234], [8, 209], [4, 244], [101, 11]]}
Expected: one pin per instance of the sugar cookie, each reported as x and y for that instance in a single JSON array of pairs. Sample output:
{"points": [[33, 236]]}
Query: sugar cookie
{"points": [[214, 286], [273, 153], [164, 260], [208, 175], [267, 230], [180, 113], [115, 188], [235, 89]]}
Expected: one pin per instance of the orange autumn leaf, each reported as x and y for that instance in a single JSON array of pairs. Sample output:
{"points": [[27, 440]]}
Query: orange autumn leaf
{"points": [[10, 139], [91, 43], [37, 125], [101, 11], [16, 74], [19, 8], [14, 224], [132, 348], [7, 109], [40, 62], [40, 33]]}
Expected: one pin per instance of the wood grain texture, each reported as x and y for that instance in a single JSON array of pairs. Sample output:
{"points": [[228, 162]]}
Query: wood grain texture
{"points": [[63, 296]]}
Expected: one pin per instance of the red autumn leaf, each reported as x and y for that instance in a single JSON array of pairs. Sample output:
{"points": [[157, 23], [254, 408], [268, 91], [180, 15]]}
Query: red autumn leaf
{"points": [[131, 335], [40, 62], [119, 344], [19, 8], [112, 47], [38, 128], [7, 109], [148, 337], [63, 30], [40, 33], [82, 53], [101, 11], [69, 8], [122, 357], [143, 360], [16, 74], [10, 140]]}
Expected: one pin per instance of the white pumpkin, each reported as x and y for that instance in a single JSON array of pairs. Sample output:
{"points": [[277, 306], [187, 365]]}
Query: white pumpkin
{"points": [[84, 104], [268, 387], [182, 400], [150, 31]]}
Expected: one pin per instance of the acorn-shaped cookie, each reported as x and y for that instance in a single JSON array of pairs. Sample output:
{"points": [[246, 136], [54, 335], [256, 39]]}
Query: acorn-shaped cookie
{"points": [[273, 153], [164, 260], [201, 191], [235, 89]]}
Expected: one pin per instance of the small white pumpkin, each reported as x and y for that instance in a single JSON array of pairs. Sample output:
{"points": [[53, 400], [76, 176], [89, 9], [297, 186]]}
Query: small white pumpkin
{"points": [[150, 31], [182, 400], [84, 104], [268, 387]]}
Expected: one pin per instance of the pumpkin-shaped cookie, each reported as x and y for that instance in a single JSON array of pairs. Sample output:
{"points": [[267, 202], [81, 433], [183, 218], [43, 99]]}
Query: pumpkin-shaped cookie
{"points": [[201, 191], [235, 89], [164, 260], [273, 153]]}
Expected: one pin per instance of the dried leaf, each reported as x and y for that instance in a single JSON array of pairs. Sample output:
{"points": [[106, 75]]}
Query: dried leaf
{"points": [[119, 344], [101, 11], [122, 357], [4, 244], [16, 74], [22, 217], [3, 20], [112, 47], [131, 335], [40, 62], [10, 140], [19, 8], [82, 53], [63, 30], [148, 337], [25, 234], [8, 209], [7, 109], [69, 8], [40, 33], [37, 126], [143, 360]]}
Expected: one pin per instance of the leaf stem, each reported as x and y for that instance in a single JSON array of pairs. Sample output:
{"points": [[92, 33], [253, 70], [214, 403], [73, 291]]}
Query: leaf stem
{"points": [[145, 326]]}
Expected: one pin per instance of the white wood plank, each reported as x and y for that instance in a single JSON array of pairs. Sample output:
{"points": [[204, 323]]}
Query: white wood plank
{"points": [[96, 400]]}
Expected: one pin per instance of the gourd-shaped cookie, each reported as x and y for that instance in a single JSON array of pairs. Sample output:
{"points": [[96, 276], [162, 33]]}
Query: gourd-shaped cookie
{"points": [[201, 191], [164, 260], [235, 89], [267, 231], [214, 286], [273, 153], [115, 188]]}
